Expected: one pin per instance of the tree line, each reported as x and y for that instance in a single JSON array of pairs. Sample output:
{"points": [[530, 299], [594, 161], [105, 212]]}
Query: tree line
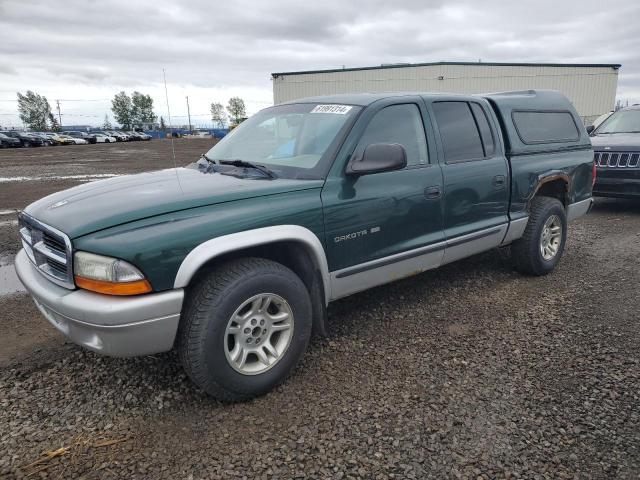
{"points": [[128, 110]]}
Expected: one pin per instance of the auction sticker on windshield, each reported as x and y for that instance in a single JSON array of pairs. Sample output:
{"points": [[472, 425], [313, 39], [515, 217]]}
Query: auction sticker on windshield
{"points": [[339, 109]]}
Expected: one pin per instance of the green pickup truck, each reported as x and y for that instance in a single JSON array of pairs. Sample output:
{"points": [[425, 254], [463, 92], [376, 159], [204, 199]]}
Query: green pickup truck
{"points": [[233, 259]]}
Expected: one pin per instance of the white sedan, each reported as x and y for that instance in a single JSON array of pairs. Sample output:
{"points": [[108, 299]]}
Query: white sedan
{"points": [[74, 140], [101, 138]]}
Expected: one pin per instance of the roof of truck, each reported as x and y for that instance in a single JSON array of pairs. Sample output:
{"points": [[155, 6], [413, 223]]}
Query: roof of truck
{"points": [[505, 105], [364, 99], [548, 97]]}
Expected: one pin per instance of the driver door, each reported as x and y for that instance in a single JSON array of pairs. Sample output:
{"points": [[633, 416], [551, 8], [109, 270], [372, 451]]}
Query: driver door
{"points": [[384, 226]]}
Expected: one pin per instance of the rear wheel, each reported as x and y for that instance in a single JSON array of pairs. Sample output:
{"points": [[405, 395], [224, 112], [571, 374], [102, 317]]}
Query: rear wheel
{"points": [[244, 328], [541, 247]]}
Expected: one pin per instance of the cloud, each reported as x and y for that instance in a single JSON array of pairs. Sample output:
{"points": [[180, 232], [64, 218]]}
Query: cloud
{"points": [[211, 50]]}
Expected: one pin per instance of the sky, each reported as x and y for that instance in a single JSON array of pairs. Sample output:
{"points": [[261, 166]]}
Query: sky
{"points": [[83, 52]]}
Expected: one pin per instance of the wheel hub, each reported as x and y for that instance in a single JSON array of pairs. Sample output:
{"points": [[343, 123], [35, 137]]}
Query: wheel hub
{"points": [[551, 237], [258, 333]]}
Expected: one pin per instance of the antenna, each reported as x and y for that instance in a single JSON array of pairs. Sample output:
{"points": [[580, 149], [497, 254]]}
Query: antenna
{"points": [[173, 148]]}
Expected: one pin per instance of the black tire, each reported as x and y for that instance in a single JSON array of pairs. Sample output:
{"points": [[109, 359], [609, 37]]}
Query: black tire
{"points": [[526, 252], [208, 309]]}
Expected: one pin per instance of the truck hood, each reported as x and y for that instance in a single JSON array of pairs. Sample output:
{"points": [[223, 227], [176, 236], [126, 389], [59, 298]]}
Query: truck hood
{"points": [[621, 142], [97, 205]]}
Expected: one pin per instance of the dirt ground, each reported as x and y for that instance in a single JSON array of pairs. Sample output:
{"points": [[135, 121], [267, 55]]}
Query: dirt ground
{"points": [[469, 371]]}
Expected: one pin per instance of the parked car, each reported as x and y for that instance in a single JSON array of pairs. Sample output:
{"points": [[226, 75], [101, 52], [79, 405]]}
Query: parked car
{"points": [[7, 141], [46, 140], [82, 135], [102, 138], [119, 136], [349, 192], [134, 136], [139, 135], [69, 140], [616, 143], [26, 140], [61, 139]]}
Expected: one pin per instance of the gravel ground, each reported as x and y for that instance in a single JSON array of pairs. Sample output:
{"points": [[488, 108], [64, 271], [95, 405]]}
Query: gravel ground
{"points": [[471, 371]]}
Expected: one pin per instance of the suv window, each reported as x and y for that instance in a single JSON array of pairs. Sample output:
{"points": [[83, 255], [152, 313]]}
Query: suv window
{"points": [[398, 124], [485, 130], [545, 127], [458, 131]]}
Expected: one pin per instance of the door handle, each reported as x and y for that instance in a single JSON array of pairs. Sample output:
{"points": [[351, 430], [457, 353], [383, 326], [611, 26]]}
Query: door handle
{"points": [[433, 193], [499, 181]]}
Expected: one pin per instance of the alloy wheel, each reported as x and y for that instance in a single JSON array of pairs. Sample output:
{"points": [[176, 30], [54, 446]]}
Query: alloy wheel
{"points": [[551, 237], [258, 333]]}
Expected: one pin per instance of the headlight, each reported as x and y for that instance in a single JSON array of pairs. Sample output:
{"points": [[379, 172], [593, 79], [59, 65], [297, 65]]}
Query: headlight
{"points": [[108, 275]]}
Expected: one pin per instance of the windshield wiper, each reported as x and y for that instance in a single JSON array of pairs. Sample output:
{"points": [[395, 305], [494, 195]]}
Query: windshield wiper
{"points": [[245, 164], [204, 155]]}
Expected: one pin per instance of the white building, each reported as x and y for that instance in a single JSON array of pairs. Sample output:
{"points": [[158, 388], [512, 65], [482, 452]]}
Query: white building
{"points": [[591, 87]]}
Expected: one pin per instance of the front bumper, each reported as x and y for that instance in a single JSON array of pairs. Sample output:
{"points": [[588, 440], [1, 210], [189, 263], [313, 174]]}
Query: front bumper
{"points": [[116, 326], [617, 187]]}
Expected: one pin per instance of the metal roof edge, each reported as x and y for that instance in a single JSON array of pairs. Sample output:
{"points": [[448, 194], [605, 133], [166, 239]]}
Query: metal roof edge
{"points": [[615, 66]]}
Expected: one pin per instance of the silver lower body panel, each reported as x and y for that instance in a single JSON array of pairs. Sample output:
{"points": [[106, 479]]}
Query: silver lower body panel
{"points": [[578, 209]]}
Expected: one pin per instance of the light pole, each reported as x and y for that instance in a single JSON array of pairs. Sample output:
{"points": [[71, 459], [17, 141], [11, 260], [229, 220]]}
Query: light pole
{"points": [[59, 115], [189, 114]]}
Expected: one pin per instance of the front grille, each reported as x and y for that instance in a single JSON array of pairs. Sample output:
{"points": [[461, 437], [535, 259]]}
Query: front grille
{"points": [[617, 159], [48, 249], [53, 243]]}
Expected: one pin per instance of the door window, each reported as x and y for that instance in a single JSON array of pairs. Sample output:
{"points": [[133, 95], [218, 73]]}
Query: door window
{"points": [[400, 124], [485, 130], [458, 131]]}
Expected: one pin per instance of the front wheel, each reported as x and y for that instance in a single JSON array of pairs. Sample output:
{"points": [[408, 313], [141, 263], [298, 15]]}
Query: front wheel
{"points": [[541, 247], [245, 326]]}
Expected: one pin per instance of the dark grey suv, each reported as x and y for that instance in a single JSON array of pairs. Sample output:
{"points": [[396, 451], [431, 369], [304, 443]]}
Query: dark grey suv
{"points": [[616, 145]]}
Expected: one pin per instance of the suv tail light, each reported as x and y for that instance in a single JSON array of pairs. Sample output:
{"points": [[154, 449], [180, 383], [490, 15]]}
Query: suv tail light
{"points": [[593, 179]]}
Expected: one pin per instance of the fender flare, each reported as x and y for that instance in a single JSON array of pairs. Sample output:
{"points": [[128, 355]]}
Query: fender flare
{"points": [[552, 176], [215, 247]]}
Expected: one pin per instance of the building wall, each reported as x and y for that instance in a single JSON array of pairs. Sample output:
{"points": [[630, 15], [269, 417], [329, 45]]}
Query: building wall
{"points": [[591, 89]]}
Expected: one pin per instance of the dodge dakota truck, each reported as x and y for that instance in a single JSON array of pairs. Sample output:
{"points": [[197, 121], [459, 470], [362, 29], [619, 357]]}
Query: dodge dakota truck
{"points": [[233, 259]]}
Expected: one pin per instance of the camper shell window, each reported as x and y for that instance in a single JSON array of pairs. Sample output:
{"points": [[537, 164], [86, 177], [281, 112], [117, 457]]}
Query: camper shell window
{"points": [[545, 126]]}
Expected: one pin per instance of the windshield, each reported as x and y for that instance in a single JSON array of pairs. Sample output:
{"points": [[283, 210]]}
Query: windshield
{"points": [[623, 121], [294, 141]]}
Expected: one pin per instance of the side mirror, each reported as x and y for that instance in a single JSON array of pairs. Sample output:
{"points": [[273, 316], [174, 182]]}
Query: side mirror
{"points": [[379, 157], [590, 128]]}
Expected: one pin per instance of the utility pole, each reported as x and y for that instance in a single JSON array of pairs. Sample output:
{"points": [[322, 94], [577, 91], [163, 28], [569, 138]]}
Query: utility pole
{"points": [[189, 115], [59, 116]]}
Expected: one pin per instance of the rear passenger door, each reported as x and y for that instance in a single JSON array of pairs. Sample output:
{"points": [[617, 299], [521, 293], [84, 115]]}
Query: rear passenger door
{"points": [[476, 177]]}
